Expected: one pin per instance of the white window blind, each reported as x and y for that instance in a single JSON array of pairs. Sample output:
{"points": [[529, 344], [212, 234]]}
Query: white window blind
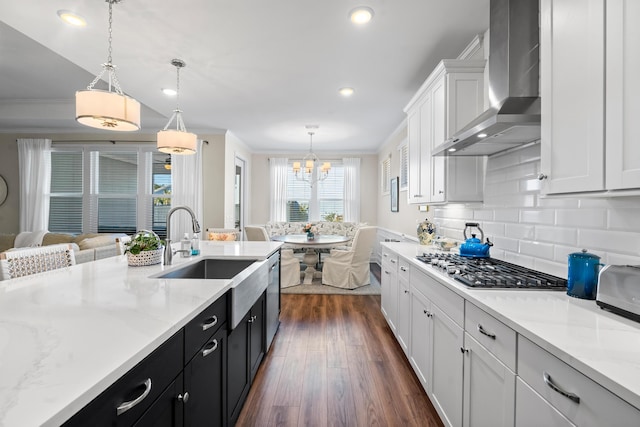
{"points": [[385, 174], [404, 165], [324, 201], [108, 190]]}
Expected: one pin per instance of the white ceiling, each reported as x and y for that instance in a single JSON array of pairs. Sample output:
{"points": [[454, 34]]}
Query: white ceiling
{"points": [[261, 69]]}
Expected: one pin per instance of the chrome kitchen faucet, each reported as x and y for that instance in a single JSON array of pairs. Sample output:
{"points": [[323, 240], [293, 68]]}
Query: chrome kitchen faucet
{"points": [[168, 254]]}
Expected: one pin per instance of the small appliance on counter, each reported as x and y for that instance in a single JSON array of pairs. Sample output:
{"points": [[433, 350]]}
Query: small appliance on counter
{"points": [[473, 247], [582, 280], [619, 290]]}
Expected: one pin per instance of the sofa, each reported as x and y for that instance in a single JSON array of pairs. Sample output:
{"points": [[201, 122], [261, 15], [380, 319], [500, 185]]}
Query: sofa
{"points": [[86, 247]]}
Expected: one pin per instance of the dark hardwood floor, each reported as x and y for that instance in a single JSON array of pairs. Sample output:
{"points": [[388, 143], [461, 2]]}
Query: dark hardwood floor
{"points": [[335, 362]]}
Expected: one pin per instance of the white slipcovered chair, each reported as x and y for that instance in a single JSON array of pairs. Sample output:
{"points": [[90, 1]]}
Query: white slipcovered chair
{"points": [[26, 261], [289, 264], [349, 269]]}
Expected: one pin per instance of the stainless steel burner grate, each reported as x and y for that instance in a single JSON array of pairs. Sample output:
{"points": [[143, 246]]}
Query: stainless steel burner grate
{"points": [[490, 273]]}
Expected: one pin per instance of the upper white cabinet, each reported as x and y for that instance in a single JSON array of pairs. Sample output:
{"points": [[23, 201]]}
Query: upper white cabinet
{"points": [[589, 60], [451, 97]]}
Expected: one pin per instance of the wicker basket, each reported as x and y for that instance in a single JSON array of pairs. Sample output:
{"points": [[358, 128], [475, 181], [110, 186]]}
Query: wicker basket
{"points": [[145, 258]]}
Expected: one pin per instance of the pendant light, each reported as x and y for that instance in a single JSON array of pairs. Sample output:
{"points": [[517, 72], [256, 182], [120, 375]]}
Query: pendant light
{"points": [[107, 109], [304, 169], [178, 140]]}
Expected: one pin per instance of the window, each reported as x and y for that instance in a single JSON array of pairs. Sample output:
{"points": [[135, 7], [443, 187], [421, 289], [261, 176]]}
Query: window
{"points": [[324, 201], [108, 190], [385, 174]]}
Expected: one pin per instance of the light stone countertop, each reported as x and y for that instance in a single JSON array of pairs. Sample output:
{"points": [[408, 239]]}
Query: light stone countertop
{"points": [[602, 345], [66, 335]]}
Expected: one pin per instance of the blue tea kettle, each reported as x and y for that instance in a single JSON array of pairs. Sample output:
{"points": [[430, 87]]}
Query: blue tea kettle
{"points": [[473, 247], [582, 281]]}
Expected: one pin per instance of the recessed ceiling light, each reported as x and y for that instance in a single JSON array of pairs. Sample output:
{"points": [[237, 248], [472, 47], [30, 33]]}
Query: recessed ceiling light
{"points": [[361, 15], [451, 150], [346, 91], [482, 135], [72, 18], [169, 92]]}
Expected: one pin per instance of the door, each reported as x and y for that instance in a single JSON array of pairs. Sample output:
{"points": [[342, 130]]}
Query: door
{"points": [[239, 195]]}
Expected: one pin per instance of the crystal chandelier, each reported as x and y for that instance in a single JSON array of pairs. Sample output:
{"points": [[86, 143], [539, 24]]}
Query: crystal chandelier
{"points": [[107, 109], [178, 140], [306, 169]]}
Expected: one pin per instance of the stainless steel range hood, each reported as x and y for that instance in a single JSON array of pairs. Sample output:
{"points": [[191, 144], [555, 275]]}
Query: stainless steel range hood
{"points": [[514, 116]]}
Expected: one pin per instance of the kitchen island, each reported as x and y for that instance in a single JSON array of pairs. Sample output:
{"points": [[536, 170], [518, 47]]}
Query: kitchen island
{"points": [[68, 334], [543, 352]]}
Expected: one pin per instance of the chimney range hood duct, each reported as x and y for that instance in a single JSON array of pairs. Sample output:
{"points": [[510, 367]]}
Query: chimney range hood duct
{"points": [[514, 116]]}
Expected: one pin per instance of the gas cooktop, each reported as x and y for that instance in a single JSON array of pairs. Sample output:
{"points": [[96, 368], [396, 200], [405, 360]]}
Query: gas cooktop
{"points": [[490, 273]]}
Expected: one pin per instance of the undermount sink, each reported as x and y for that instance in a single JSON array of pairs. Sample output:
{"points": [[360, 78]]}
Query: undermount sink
{"points": [[250, 279], [209, 269]]}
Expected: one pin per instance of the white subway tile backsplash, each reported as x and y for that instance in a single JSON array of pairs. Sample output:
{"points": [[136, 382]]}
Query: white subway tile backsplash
{"points": [[537, 216], [582, 218], [506, 215], [536, 249], [519, 231], [558, 235], [610, 241], [624, 219], [538, 231]]}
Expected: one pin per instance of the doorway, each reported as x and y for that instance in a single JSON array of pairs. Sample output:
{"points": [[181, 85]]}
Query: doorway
{"points": [[239, 194]]}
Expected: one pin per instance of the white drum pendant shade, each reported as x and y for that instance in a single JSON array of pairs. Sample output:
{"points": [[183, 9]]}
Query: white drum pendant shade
{"points": [[107, 110], [174, 141]]}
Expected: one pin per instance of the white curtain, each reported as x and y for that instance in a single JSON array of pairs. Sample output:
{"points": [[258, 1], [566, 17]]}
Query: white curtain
{"points": [[34, 160], [186, 180], [351, 189], [278, 184]]}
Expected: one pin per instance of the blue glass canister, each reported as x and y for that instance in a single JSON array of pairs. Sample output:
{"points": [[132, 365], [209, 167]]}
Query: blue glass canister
{"points": [[583, 275]]}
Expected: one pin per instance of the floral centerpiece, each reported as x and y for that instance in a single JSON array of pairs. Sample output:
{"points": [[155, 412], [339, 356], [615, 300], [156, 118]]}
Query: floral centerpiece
{"points": [[144, 248], [311, 230]]}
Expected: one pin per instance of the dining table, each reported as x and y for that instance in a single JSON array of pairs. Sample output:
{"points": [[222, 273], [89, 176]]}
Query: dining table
{"points": [[319, 241]]}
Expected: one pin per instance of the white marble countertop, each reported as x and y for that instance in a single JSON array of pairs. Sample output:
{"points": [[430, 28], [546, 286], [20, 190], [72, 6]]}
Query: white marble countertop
{"points": [[66, 335], [603, 346]]}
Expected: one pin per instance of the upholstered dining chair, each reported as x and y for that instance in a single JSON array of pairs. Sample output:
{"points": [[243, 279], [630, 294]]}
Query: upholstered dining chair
{"points": [[349, 269], [289, 264], [27, 261]]}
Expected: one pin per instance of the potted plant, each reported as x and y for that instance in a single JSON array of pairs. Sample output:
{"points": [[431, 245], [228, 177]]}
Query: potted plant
{"points": [[144, 248]]}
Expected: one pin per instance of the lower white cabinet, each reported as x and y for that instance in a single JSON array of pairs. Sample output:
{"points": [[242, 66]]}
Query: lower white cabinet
{"points": [[581, 400], [489, 388], [534, 411], [446, 393], [404, 304], [389, 287], [421, 338]]}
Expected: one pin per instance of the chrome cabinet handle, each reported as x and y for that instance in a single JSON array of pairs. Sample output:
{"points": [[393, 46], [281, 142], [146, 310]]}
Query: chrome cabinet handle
{"points": [[464, 350], [403, 268], [385, 255], [273, 267], [542, 176], [124, 407], [393, 261], [184, 398], [484, 332], [208, 351], [429, 314], [386, 272], [440, 191], [548, 381], [252, 319], [210, 322], [417, 195], [406, 291]]}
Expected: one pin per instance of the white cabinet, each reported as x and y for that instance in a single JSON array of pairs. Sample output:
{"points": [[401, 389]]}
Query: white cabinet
{"points": [[421, 338], [489, 388], [622, 94], [534, 411], [404, 306], [446, 393], [578, 398], [451, 97], [389, 287], [584, 149]]}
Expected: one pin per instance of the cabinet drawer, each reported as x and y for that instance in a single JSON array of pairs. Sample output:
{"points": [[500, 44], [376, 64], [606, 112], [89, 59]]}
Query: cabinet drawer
{"points": [[596, 406], [203, 326], [128, 398], [389, 261], [494, 335], [404, 270], [449, 302]]}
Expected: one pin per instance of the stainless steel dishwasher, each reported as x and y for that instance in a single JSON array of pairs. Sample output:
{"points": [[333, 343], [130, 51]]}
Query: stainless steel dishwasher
{"points": [[273, 298]]}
